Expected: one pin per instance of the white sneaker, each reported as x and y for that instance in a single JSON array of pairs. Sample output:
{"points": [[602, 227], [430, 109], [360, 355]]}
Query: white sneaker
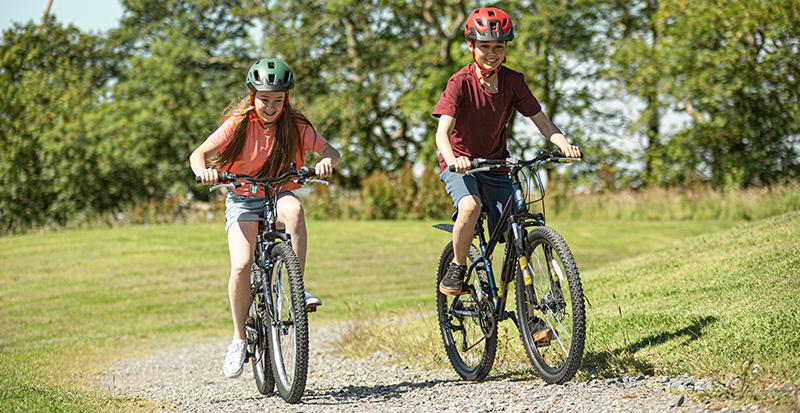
{"points": [[234, 359], [312, 301]]}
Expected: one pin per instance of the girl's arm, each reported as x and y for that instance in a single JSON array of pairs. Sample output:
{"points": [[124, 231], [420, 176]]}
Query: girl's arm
{"points": [[443, 132], [553, 133], [198, 162], [330, 158]]}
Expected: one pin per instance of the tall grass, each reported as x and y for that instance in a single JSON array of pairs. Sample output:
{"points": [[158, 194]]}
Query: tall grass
{"points": [[679, 204]]}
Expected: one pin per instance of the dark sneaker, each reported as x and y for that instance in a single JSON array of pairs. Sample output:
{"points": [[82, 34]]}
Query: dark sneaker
{"points": [[453, 280]]}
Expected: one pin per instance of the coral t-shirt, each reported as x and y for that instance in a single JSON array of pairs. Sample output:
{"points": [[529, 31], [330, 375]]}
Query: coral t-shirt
{"points": [[257, 147], [481, 117]]}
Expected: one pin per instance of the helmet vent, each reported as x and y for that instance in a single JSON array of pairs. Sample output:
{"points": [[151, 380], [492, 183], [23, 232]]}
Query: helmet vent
{"points": [[257, 76], [271, 79], [491, 13], [286, 76], [480, 22], [271, 65]]}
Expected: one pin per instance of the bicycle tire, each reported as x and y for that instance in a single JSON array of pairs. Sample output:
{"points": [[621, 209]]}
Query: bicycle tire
{"points": [[257, 335], [476, 366], [558, 340], [290, 380]]}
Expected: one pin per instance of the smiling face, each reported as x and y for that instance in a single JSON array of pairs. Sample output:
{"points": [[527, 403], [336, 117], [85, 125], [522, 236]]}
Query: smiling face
{"points": [[269, 105], [489, 55]]}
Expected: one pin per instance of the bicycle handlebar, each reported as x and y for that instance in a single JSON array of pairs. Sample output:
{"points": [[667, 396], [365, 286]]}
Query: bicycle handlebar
{"points": [[483, 165], [227, 177]]}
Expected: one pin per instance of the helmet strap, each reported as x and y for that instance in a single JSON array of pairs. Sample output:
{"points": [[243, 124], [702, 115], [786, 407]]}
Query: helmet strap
{"points": [[483, 74]]}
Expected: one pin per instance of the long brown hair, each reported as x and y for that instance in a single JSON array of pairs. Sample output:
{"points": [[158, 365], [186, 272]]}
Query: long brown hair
{"points": [[287, 138]]}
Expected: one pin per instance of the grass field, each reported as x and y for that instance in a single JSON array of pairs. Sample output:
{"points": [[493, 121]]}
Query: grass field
{"points": [[71, 302], [722, 305]]}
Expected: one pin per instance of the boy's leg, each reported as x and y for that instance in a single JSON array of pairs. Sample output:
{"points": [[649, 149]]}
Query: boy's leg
{"points": [[463, 189], [469, 210], [495, 191]]}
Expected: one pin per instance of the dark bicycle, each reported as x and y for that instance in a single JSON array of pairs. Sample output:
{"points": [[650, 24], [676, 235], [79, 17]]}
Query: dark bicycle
{"points": [[549, 296], [277, 325]]}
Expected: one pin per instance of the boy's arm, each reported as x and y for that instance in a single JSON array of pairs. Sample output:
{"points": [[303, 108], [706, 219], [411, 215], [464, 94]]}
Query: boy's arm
{"points": [[553, 133], [446, 125]]}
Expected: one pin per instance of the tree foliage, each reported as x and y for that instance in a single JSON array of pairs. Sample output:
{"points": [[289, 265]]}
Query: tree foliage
{"points": [[94, 122]]}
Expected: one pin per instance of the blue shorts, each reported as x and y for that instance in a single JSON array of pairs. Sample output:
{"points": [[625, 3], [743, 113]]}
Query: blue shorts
{"points": [[493, 191], [245, 208]]}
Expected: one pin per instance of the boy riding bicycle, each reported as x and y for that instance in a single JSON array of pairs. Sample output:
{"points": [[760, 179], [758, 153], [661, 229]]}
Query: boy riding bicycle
{"points": [[473, 113]]}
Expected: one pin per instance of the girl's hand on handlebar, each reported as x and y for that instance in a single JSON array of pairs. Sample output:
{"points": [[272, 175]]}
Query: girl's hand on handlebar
{"points": [[462, 164], [324, 168], [209, 176]]}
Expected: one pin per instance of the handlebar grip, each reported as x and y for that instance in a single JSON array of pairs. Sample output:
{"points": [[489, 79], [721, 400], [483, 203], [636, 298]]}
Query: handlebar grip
{"points": [[221, 177], [475, 163]]}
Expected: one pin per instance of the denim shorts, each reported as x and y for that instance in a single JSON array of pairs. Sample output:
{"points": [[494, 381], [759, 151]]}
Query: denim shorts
{"points": [[493, 191], [245, 208]]}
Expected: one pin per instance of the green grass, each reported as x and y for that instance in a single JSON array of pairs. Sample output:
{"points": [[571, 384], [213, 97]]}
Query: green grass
{"points": [[722, 305], [71, 302]]}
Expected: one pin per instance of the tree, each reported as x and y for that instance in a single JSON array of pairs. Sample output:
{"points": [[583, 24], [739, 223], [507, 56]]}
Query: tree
{"points": [[50, 76]]}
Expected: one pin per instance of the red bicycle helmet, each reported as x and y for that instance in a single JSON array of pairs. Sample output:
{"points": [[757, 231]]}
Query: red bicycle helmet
{"points": [[489, 24]]}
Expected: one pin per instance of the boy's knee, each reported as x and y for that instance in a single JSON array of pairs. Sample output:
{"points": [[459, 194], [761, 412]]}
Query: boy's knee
{"points": [[469, 207]]}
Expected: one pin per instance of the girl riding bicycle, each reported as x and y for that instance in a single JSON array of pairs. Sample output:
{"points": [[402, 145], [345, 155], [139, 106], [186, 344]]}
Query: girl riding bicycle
{"points": [[473, 113], [260, 136]]}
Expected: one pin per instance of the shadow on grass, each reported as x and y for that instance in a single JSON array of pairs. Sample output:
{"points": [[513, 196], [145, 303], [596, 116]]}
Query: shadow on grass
{"points": [[615, 361]]}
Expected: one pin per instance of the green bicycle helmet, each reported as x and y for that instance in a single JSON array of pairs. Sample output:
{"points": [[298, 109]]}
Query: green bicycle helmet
{"points": [[270, 75]]}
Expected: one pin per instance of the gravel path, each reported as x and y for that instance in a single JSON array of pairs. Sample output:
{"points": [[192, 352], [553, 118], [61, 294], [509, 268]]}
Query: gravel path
{"points": [[190, 379]]}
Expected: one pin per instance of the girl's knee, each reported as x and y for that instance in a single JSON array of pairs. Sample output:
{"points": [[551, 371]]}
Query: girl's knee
{"points": [[290, 209]]}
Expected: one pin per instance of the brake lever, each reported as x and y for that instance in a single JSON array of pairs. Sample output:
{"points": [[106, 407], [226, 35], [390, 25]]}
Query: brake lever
{"points": [[476, 170], [228, 185], [317, 181], [220, 186]]}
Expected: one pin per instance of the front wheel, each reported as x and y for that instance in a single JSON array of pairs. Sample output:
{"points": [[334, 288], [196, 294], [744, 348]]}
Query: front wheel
{"points": [[467, 322], [550, 306], [289, 327]]}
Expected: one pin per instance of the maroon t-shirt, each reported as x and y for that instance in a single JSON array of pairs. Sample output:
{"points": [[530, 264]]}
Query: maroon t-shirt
{"points": [[481, 117]]}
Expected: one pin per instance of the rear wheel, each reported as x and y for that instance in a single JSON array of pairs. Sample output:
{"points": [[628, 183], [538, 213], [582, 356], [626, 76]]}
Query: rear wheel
{"points": [[550, 306], [257, 335], [467, 322], [289, 330]]}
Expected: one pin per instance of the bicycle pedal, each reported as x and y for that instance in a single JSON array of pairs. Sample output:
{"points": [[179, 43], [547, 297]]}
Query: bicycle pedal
{"points": [[542, 338]]}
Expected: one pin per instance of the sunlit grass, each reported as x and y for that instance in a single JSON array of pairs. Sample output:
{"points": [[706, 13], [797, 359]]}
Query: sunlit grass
{"points": [[73, 301]]}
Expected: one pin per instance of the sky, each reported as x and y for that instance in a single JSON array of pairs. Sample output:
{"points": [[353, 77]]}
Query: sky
{"points": [[90, 15]]}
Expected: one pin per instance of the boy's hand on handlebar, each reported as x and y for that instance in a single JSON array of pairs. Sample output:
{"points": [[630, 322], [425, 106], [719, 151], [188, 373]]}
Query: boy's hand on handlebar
{"points": [[570, 151], [461, 164], [209, 176], [324, 168]]}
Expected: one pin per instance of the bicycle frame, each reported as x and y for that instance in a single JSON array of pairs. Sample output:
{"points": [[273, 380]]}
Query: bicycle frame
{"points": [[514, 219]]}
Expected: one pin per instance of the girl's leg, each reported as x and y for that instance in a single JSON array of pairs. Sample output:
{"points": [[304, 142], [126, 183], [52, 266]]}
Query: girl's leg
{"points": [[291, 216], [241, 243]]}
